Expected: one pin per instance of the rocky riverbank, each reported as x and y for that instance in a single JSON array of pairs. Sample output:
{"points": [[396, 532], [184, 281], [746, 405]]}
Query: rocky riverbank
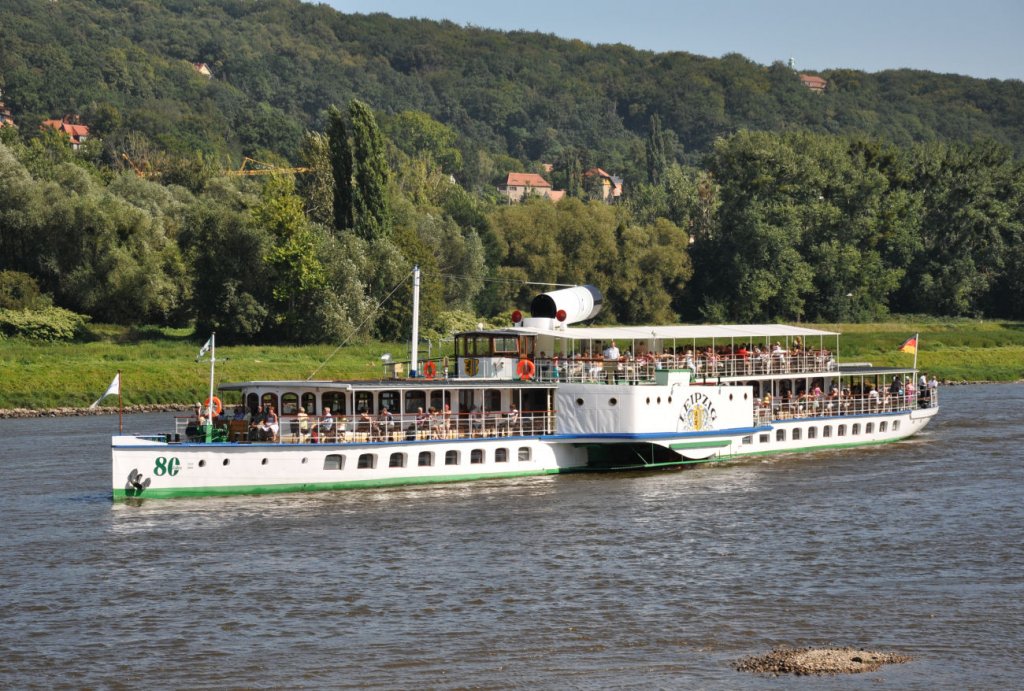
{"points": [[819, 661], [99, 410]]}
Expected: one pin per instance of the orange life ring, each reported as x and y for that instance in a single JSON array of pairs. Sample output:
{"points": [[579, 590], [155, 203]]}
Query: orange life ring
{"points": [[217, 407], [430, 369], [526, 369]]}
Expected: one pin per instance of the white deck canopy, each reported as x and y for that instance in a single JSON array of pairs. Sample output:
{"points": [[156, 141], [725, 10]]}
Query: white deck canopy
{"points": [[718, 332]]}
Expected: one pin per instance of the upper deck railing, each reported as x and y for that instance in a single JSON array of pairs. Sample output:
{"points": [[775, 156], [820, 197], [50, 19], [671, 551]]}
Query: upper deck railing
{"points": [[643, 370]]}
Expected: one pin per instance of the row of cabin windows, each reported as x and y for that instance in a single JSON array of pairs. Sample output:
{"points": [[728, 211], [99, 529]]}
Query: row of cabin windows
{"points": [[400, 459], [826, 431], [370, 401]]}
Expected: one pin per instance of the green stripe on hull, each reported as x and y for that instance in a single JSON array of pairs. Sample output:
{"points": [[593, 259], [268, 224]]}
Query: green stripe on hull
{"points": [[176, 492], [701, 444]]}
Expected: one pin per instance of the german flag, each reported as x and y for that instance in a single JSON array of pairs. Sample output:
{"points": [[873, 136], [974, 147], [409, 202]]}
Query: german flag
{"points": [[910, 345]]}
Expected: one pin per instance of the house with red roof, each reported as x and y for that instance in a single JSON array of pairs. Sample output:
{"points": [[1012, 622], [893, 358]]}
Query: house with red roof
{"points": [[813, 82], [70, 126], [518, 186], [603, 185]]}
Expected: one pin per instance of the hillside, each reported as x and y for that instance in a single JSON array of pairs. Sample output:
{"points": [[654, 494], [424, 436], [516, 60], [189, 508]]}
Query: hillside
{"points": [[127, 68]]}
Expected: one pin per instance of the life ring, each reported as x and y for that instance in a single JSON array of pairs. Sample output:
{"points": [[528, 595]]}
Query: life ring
{"points": [[430, 369], [217, 407], [526, 369]]}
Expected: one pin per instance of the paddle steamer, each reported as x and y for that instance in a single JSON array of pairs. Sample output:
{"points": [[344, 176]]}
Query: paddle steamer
{"points": [[539, 397]]}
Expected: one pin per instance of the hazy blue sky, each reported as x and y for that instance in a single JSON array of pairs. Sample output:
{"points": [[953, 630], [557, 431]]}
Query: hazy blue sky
{"points": [[981, 38]]}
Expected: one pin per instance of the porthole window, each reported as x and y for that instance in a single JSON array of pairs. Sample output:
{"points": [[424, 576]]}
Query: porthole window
{"points": [[648, 400], [670, 400], [659, 400], [202, 463], [613, 401], [227, 461], [305, 460], [579, 401], [263, 462], [730, 397]]}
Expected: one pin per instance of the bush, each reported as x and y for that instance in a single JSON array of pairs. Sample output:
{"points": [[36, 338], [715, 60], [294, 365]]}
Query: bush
{"points": [[50, 324]]}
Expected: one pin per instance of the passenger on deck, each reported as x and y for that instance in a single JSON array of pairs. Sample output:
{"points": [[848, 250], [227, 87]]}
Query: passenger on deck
{"points": [[386, 422], [365, 424], [272, 425], [302, 422], [611, 352], [326, 425]]}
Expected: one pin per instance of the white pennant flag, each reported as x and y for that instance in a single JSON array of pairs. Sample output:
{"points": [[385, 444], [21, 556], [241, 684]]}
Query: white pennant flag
{"points": [[115, 387], [202, 351]]}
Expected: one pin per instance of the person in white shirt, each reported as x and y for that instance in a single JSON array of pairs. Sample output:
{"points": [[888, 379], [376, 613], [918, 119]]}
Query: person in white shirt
{"points": [[611, 352]]}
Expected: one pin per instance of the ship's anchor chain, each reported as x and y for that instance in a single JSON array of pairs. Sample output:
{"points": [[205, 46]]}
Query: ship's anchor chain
{"points": [[135, 482]]}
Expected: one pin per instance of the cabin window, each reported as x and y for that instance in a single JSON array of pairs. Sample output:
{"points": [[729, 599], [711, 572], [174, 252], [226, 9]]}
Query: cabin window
{"points": [[426, 458], [524, 454], [389, 400], [334, 461], [749, 439], [827, 432], [812, 432], [763, 438], [797, 433], [780, 435], [270, 399], [501, 455], [478, 345], [856, 429], [883, 426], [364, 402], [506, 344], [397, 460], [415, 400], [895, 425], [289, 403], [869, 428], [252, 402], [476, 456], [335, 400], [492, 400], [438, 399], [367, 461], [451, 457], [309, 402], [842, 431]]}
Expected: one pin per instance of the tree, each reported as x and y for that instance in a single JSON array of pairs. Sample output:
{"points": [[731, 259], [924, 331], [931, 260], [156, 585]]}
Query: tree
{"points": [[342, 166], [371, 211], [655, 152]]}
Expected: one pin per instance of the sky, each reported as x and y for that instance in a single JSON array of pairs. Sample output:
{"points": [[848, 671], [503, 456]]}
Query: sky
{"points": [[979, 38]]}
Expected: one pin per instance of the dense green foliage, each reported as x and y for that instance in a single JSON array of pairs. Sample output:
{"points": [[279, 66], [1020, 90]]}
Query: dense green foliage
{"points": [[747, 197], [47, 324]]}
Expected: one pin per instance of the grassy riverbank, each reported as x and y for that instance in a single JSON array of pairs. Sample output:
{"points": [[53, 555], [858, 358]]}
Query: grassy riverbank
{"points": [[158, 365]]}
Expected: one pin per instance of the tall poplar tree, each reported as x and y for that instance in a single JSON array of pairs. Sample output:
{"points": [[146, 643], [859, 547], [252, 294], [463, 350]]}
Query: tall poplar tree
{"points": [[655, 152], [371, 211], [342, 167]]}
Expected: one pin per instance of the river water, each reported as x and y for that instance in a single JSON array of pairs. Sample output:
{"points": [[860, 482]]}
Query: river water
{"points": [[635, 580]]}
